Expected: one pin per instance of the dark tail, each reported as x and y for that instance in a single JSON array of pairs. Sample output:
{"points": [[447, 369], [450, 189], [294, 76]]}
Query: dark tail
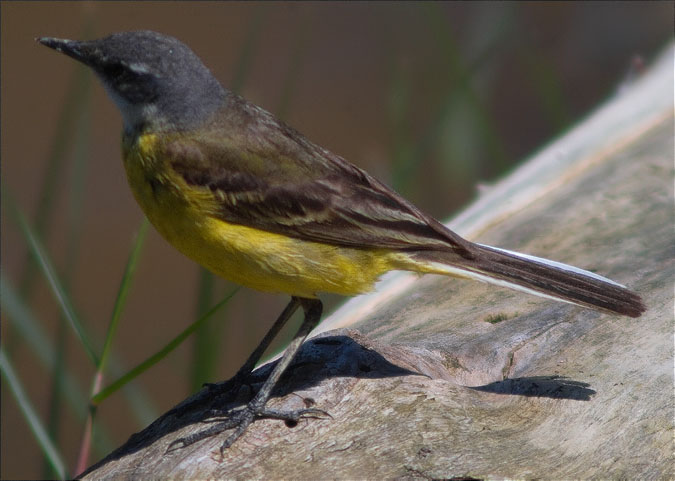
{"points": [[538, 276]]}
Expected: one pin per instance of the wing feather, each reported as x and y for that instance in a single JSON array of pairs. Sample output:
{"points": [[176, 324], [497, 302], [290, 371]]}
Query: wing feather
{"points": [[272, 178]]}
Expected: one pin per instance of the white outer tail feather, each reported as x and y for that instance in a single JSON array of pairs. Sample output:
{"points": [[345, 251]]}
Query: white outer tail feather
{"points": [[559, 265], [468, 273]]}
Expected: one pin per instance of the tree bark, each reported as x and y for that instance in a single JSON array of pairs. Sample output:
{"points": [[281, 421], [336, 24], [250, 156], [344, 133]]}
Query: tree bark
{"points": [[436, 377]]}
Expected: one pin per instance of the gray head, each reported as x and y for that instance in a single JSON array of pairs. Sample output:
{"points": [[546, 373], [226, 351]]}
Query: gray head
{"points": [[156, 81]]}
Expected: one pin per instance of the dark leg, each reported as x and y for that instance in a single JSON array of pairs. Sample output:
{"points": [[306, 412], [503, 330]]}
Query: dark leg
{"points": [[253, 359], [232, 385], [242, 419]]}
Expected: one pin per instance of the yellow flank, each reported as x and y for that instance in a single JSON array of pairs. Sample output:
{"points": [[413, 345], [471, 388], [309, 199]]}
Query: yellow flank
{"points": [[186, 217]]}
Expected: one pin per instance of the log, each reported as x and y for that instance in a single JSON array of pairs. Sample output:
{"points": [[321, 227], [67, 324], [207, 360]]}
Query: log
{"points": [[441, 378]]}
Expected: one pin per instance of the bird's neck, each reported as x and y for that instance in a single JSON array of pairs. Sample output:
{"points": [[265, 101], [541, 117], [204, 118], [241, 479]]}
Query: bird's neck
{"points": [[173, 111]]}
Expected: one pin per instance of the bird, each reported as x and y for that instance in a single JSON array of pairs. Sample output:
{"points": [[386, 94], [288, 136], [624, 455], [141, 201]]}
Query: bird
{"points": [[254, 201]]}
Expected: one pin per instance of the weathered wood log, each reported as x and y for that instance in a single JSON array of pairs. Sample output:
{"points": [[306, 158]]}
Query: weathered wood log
{"points": [[446, 378]]}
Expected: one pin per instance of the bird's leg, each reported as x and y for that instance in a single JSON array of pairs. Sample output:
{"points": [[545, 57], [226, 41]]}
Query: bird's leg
{"points": [[235, 383], [240, 420], [229, 389]]}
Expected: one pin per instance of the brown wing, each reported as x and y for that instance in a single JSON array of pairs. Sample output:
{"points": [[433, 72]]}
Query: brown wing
{"points": [[268, 176]]}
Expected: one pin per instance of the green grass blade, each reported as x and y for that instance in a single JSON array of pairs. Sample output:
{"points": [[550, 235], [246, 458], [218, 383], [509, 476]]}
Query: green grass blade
{"points": [[207, 338], [49, 449], [20, 316], [75, 221], [47, 268], [27, 326], [125, 285], [142, 406], [75, 105], [40, 344], [159, 355], [57, 378], [122, 293]]}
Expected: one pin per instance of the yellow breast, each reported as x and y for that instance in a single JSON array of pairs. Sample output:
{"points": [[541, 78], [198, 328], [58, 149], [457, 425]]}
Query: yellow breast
{"points": [[185, 216]]}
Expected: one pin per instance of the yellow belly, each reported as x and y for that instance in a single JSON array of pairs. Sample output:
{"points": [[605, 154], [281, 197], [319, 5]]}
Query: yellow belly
{"points": [[262, 260], [271, 262]]}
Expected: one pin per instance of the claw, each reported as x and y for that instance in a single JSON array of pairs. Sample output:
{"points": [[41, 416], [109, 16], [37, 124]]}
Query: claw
{"points": [[240, 421]]}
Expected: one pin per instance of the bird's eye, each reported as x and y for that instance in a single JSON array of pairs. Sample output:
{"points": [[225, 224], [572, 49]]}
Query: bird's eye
{"points": [[115, 71]]}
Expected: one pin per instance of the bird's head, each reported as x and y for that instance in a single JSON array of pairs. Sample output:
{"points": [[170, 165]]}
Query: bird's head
{"points": [[156, 81]]}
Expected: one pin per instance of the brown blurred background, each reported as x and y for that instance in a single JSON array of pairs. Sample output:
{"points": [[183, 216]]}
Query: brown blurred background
{"points": [[433, 99]]}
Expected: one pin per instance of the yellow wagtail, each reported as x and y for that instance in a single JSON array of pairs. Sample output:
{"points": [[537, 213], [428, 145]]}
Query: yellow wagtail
{"points": [[255, 202]]}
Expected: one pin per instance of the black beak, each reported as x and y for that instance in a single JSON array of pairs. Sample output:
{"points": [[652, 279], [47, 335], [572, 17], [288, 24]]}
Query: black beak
{"points": [[77, 50]]}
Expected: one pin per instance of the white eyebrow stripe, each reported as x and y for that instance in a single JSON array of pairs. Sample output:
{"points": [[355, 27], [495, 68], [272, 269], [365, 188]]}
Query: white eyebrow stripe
{"points": [[138, 67]]}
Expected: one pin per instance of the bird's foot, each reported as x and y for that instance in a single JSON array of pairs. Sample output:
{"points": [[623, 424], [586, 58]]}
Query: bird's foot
{"points": [[240, 420]]}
